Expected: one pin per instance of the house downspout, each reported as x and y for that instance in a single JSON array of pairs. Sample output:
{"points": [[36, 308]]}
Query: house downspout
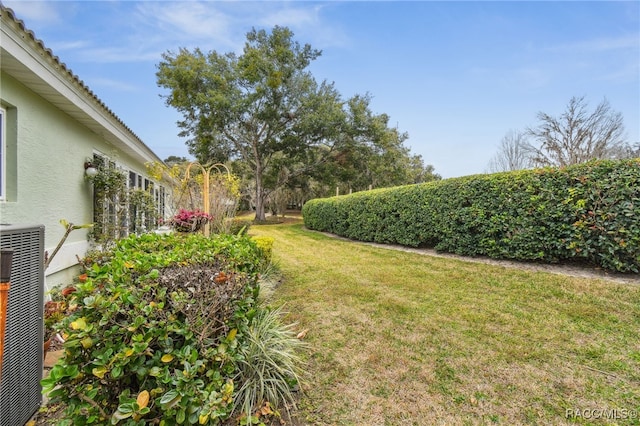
{"points": [[6, 257]]}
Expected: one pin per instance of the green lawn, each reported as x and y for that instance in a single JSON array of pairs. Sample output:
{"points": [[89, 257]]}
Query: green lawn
{"points": [[399, 338]]}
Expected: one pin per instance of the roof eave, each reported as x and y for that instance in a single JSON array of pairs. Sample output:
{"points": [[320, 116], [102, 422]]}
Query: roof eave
{"points": [[26, 58]]}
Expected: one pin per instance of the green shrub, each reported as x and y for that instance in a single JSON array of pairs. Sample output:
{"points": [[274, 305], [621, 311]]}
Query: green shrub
{"points": [[265, 244], [587, 212], [239, 226], [157, 332]]}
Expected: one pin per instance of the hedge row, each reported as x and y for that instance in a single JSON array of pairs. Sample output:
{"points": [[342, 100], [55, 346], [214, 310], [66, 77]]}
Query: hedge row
{"points": [[588, 212]]}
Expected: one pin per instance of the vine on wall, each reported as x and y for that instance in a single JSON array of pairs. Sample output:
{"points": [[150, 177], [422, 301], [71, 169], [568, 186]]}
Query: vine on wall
{"points": [[118, 210]]}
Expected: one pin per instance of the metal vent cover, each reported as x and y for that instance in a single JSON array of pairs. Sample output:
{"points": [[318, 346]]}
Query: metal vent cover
{"points": [[20, 390]]}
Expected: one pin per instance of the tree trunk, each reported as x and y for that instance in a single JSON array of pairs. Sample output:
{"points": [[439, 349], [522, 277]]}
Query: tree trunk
{"points": [[260, 198], [260, 207]]}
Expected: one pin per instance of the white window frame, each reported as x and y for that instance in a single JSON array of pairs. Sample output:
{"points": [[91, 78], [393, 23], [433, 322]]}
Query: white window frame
{"points": [[3, 154]]}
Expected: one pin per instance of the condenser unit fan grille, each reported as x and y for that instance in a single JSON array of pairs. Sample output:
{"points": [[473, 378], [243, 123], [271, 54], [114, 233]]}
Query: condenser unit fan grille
{"points": [[20, 391]]}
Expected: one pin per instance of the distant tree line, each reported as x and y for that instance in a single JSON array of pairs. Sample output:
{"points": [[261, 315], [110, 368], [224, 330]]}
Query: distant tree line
{"points": [[576, 136]]}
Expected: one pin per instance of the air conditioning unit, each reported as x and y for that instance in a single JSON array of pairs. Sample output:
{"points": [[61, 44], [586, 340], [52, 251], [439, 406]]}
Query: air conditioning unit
{"points": [[20, 390]]}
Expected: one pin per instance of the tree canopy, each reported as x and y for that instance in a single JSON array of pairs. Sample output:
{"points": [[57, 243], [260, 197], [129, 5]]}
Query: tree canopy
{"points": [[265, 109]]}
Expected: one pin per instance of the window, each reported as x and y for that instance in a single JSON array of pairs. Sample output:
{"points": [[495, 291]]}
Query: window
{"points": [[132, 179], [8, 153], [3, 151]]}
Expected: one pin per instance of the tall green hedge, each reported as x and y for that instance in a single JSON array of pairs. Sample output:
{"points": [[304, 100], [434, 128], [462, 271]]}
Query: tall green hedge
{"points": [[588, 212]]}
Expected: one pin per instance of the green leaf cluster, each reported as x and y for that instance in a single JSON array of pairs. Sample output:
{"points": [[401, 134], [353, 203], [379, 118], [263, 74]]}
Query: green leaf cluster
{"points": [[157, 332], [588, 212]]}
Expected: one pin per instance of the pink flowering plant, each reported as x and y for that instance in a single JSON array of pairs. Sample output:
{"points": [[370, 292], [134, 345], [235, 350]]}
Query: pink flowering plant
{"points": [[189, 220]]}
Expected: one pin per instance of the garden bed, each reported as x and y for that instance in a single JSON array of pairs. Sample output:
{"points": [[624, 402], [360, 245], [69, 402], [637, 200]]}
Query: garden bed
{"points": [[162, 329]]}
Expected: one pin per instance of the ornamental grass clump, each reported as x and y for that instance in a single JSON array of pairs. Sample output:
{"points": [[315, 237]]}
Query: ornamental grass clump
{"points": [[157, 333], [268, 368]]}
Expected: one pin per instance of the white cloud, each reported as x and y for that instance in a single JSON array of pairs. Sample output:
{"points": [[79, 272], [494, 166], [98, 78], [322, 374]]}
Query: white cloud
{"points": [[153, 27], [532, 77], [34, 11], [296, 17], [113, 84], [69, 45], [628, 73], [603, 44], [117, 54], [222, 26], [520, 78], [307, 22], [186, 22]]}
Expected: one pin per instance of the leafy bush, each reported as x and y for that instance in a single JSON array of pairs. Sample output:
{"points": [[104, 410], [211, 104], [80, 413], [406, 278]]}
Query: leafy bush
{"points": [[239, 226], [265, 244], [158, 332], [587, 212]]}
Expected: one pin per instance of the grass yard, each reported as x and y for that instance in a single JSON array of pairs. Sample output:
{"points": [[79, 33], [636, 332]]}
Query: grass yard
{"points": [[399, 338]]}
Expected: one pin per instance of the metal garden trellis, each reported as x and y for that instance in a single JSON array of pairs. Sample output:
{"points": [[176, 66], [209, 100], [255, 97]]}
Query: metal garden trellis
{"points": [[206, 176]]}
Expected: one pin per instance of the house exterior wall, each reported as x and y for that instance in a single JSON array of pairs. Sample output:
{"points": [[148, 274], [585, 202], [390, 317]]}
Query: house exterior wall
{"points": [[43, 146], [45, 181], [52, 124]]}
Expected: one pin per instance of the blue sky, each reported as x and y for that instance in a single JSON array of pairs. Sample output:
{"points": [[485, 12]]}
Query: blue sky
{"points": [[456, 76]]}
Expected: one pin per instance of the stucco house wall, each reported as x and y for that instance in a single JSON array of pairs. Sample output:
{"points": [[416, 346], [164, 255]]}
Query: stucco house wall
{"points": [[52, 124]]}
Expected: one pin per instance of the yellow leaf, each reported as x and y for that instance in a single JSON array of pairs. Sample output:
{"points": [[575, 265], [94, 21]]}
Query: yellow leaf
{"points": [[166, 358], [232, 334], [128, 352], [79, 324], [30, 423], [143, 399], [87, 342], [203, 419], [99, 372]]}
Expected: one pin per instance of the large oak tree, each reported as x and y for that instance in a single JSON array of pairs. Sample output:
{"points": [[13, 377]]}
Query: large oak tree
{"points": [[264, 108]]}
